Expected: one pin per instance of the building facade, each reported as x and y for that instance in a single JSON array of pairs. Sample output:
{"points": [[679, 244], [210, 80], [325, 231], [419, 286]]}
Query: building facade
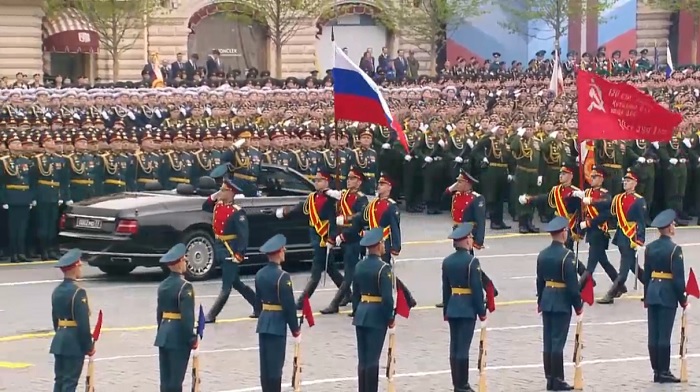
{"points": [[67, 45]]}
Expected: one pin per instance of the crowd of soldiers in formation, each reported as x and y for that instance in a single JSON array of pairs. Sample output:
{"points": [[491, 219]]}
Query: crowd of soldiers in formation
{"points": [[61, 146]]}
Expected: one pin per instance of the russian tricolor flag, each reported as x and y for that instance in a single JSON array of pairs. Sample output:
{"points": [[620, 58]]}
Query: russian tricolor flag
{"points": [[669, 62], [357, 97]]}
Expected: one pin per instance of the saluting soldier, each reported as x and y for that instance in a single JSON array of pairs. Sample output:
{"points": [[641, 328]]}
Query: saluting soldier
{"points": [[273, 287], [320, 207], [230, 226], [365, 158], [433, 166], [629, 209], [554, 155], [51, 191], [412, 173], [175, 337], [526, 150], [334, 156], [494, 154], [351, 206], [373, 308], [664, 292], [463, 296], [557, 293], [204, 157], [18, 196]]}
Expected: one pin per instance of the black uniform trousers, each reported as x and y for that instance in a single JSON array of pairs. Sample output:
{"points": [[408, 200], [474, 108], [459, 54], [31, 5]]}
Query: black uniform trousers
{"points": [[46, 220], [555, 330], [67, 371], [351, 256], [17, 226], [461, 336], [660, 329], [597, 255], [272, 355], [173, 367], [628, 262], [230, 279], [319, 266], [370, 344]]}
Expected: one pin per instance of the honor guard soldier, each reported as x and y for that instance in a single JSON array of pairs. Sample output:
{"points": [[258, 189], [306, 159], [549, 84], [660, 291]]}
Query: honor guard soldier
{"points": [[630, 210], [463, 296], [18, 197], [175, 337], [70, 314], [320, 207], [665, 290], [557, 292], [51, 191], [595, 223], [274, 291], [230, 225], [350, 207], [373, 309]]}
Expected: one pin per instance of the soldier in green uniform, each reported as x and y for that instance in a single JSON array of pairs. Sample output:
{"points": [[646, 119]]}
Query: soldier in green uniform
{"points": [[273, 288], [178, 164], [83, 170], [116, 164], [17, 190], [631, 62], [663, 293], [70, 315], [244, 172], [52, 189], [611, 156], [553, 157], [175, 337], [642, 156], [373, 308], [204, 157], [390, 155], [336, 160], [674, 163], [435, 165], [412, 173], [557, 292], [526, 152], [365, 158], [463, 299], [148, 161], [643, 63], [493, 153]]}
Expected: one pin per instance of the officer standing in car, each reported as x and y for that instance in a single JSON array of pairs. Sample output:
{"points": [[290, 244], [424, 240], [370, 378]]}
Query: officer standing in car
{"points": [[175, 337], [230, 225]]}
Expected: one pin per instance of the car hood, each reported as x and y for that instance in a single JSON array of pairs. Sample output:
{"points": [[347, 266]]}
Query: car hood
{"points": [[131, 200]]}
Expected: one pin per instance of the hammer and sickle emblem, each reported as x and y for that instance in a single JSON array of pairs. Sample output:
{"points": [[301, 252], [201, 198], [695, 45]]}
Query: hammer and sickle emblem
{"points": [[596, 99]]}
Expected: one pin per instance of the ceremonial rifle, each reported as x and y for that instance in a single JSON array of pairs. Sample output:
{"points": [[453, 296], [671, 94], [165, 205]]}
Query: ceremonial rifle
{"points": [[578, 348], [308, 314], [684, 348], [482, 360], [196, 380], [90, 377], [390, 358]]}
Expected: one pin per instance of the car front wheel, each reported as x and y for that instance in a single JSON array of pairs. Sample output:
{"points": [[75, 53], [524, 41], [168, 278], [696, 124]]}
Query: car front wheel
{"points": [[199, 255]]}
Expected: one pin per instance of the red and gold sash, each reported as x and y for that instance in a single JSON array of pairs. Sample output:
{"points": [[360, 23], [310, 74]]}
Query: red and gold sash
{"points": [[374, 215], [345, 207], [560, 206], [629, 229], [315, 221], [593, 212]]}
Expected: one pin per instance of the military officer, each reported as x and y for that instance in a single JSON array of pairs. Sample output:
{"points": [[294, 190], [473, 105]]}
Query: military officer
{"points": [[554, 155], [611, 155], [595, 224], [52, 190], [320, 207], [274, 291], [70, 314], [350, 207], [628, 208], [149, 162], [117, 167], [557, 293], [84, 171], [245, 173], [178, 164], [674, 160], [526, 152], [412, 173], [373, 309], [365, 158], [494, 153], [463, 296], [230, 226], [665, 290], [175, 337], [643, 156], [18, 197]]}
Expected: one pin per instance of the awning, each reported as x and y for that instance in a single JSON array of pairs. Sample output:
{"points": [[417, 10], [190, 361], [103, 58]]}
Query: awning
{"points": [[69, 32]]}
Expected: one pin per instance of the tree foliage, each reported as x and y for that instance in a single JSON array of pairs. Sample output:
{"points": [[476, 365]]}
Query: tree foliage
{"points": [[692, 6], [555, 14]]}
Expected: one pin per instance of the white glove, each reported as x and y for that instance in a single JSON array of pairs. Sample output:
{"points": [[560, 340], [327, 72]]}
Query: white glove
{"points": [[408, 158], [655, 144], [441, 143], [238, 143], [330, 245], [641, 160], [641, 249], [521, 131], [587, 200], [428, 159], [5, 206], [334, 194], [452, 187], [510, 178], [338, 240], [339, 220], [60, 202], [583, 225], [579, 317], [687, 143], [392, 330], [279, 213], [579, 194], [494, 129], [539, 180], [33, 203], [673, 161], [483, 323], [297, 339], [69, 202], [386, 146], [522, 199], [215, 195], [687, 307], [486, 160]]}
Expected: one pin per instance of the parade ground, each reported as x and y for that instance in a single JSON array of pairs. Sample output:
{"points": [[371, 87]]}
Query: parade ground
{"points": [[614, 356]]}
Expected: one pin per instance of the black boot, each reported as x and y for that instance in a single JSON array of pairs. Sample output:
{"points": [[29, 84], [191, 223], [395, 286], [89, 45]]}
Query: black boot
{"points": [[531, 227], [652, 360], [547, 364], [610, 296], [463, 376], [621, 289], [216, 307], [663, 362], [274, 384], [522, 225], [13, 258], [454, 371], [334, 306], [44, 251], [558, 381], [54, 254], [347, 298], [22, 258], [309, 290], [440, 305]]}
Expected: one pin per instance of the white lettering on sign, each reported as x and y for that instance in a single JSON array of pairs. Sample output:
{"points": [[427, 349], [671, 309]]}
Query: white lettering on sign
{"points": [[84, 37], [229, 52]]}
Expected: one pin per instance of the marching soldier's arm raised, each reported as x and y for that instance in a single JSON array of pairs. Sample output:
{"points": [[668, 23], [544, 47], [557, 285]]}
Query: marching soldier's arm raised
{"points": [[81, 315], [186, 304]]}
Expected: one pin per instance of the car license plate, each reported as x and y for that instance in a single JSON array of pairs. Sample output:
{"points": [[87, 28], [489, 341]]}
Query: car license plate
{"points": [[88, 223]]}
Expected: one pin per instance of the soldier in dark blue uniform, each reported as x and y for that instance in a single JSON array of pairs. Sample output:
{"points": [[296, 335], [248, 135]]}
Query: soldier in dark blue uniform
{"points": [[16, 186], [373, 309], [557, 292], [320, 207], [665, 290], [51, 191], [274, 291], [463, 299], [175, 338], [230, 225], [70, 314]]}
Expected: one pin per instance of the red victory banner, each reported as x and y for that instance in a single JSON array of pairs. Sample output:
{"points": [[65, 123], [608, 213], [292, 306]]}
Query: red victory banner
{"points": [[619, 111]]}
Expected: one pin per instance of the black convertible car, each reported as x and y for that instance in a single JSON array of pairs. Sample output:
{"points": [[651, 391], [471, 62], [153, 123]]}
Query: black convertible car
{"points": [[120, 232]]}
